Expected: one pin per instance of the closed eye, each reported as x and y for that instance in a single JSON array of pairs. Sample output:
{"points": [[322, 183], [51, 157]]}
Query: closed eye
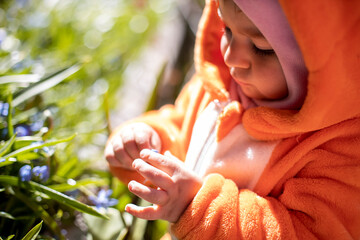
{"points": [[262, 52]]}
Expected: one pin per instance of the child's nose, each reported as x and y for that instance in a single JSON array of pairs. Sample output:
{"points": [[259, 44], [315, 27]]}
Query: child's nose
{"points": [[236, 55]]}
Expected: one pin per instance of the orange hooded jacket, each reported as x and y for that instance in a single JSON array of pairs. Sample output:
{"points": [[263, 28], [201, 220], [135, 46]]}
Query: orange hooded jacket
{"points": [[310, 186]]}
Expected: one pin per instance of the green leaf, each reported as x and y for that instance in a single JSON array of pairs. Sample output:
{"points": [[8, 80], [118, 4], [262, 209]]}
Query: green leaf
{"points": [[40, 212], [6, 215], [32, 234], [28, 156], [83, 182], [26, 141], [101, 229], [137, 232], [24, 115], [44, 84], [153, 101], [9, 117], [32, 148], [7, 146], [66, 167], [9, 237], [21, 78], [54, 195]]}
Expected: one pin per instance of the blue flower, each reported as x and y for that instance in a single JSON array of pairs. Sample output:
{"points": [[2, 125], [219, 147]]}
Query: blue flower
{"points": [[103, 200], [23, 130], [37, 125], [49, 150], [41, 172], [4, 109], [25, 173]]}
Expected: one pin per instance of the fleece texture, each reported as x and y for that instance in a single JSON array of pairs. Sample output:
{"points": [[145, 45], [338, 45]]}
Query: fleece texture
{"points": [[310, 187]]}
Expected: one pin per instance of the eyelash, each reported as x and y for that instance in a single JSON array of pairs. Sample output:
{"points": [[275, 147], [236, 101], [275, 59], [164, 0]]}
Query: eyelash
{"points": [[262, 52], [256, 50]]}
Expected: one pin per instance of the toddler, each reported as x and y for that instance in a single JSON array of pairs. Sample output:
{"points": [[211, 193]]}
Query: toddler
{"points": [[263, 142]]}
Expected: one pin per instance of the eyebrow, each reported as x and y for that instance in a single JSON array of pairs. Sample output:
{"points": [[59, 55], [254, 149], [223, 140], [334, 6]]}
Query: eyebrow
{"points": [[252, 32]]}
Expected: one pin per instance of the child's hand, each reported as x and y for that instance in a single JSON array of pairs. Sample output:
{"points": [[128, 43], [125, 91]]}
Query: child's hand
{"points": [[177, 186], [126, 145]]}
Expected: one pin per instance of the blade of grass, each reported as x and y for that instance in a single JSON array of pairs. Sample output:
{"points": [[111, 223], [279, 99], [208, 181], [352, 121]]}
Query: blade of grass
{"points": [[9, 237], [32, 234], [54, 195], [31, 148], [66, 167], [21, 142], [9, 117], [107, 112], [6, 215], [154, 95], [138, 228], [40, 212], [44, 84], [20, 78], [83, 182], [7, 146]]}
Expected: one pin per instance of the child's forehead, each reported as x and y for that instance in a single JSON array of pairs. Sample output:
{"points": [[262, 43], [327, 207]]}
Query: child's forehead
{"points": [[229, 7], [231, 14]]}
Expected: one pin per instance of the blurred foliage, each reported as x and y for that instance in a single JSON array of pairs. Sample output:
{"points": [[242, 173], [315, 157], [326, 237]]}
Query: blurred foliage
{"points": [[40, 37], [61, 64]]}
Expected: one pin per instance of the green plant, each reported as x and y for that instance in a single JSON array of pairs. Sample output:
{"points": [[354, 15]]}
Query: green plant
{"points": [[61, 65], [30, 173]]}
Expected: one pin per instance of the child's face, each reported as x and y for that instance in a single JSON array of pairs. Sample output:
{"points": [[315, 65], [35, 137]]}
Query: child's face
{"points": [[252, 62]]}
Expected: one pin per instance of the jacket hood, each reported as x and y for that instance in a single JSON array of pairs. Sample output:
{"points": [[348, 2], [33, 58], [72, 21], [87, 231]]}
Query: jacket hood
{"points": [[328, 37], [270, 19]]}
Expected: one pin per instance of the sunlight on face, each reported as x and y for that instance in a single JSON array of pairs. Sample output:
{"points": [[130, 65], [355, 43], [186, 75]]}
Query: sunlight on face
{"points": [[251, 60]]}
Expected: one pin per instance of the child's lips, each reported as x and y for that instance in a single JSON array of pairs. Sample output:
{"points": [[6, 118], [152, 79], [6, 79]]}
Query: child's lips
{"points": [[242, 82], [239, 80]]}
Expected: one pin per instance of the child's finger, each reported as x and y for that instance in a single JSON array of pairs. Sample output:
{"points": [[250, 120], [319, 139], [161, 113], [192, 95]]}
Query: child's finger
{"points": [[148, 213], [129, 142], [119, 153], [154, 175], [142, 139], [174, 159], [110, 156], [152, 195], [165, 163]]}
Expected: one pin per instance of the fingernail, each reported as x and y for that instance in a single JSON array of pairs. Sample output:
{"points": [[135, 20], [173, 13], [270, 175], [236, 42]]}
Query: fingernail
{"points": [[130, 186], [136, 163], [127, 208]]}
